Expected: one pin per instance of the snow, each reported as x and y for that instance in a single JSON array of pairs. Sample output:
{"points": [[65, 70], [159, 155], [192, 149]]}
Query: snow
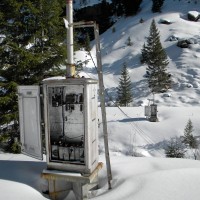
{"points": [[55, 78], [133, 178], [194, 13], [20, 177], [150, 176]]}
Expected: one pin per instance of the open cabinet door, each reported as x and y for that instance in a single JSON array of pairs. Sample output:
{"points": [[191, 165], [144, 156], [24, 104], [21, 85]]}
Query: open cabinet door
{"points": [[30, 120]]}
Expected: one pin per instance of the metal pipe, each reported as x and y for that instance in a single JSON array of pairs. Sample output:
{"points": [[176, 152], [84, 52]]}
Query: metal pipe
{"points": [[70, 70]]}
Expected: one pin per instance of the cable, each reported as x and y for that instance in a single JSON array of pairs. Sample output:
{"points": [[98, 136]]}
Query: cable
{"points": [[134, 125]]}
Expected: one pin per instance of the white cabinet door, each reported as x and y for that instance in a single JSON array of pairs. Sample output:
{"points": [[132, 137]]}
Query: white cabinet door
{"points": [[30, 120]]}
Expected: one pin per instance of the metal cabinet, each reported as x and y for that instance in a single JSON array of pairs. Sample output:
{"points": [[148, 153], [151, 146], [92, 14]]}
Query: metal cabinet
{"points": [[70, 119]]}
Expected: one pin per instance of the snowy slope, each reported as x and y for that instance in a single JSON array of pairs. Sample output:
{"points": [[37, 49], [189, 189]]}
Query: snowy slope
{"points": [[130, 133], [184, 63]]}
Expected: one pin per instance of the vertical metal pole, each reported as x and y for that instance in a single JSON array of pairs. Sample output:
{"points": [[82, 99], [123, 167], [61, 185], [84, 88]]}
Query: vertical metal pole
{"points": [[70, 70], [103, 109]]}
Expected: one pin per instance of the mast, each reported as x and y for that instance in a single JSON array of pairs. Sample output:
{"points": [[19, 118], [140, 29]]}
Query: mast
{"points": [[70, 68]]}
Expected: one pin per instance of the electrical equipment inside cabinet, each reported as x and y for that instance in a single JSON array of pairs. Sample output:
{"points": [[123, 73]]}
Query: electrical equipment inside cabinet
{"points": [[66, 115]]}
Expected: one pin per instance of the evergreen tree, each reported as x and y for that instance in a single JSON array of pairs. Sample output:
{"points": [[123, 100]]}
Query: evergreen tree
{"points": [[124, 89], [188, 137], [157, 5], [155, 57], [33, 45], [189, 140]]}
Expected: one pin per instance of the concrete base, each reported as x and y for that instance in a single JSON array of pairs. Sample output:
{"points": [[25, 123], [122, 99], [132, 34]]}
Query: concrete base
{"points": [[60, 183]]}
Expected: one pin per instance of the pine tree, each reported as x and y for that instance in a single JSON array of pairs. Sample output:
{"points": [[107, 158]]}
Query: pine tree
{"points": [[188, 137], [155, 57], [157, 5], [124, 89], [33, 45], [189, 140]]}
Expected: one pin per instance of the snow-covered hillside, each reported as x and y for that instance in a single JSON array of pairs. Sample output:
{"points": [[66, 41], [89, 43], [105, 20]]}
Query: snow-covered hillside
{"points": [[184, 62]]}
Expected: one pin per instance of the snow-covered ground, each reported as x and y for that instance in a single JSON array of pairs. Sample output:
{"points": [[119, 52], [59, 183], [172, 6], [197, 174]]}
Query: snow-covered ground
{"points": [[151, 177], [133, 178], [130, 132]]}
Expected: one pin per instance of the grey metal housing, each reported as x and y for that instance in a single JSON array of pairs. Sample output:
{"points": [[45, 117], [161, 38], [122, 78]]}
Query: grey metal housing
{"points": [[70, 113]]}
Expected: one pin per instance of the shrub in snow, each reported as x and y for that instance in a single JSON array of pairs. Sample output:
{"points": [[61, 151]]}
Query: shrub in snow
{"points": [[129, 42], [183, 43], [167, 95], [141, 20], [175, 149], [193, 16], [173, 38], [113, 29]]}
